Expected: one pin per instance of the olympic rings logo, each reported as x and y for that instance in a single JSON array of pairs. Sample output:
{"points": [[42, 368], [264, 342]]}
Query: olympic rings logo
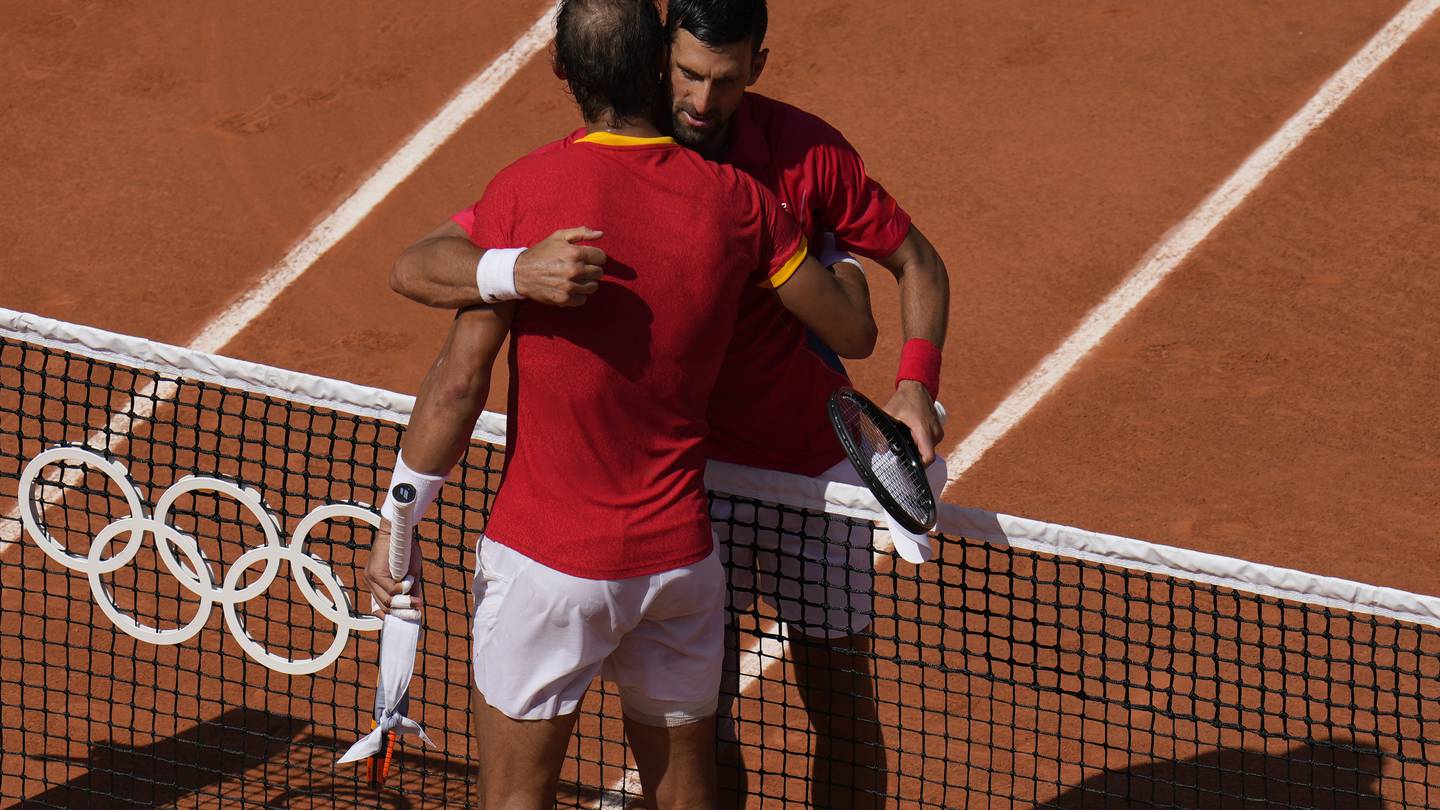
{"points": [[194, 573]]}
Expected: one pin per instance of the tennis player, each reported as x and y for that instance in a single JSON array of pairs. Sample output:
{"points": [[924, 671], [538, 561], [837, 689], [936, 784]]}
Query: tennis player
{"points": [[821, 588], [599, 556], [769, 406]]}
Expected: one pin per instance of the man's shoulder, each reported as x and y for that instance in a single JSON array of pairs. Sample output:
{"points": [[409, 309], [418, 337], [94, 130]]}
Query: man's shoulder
{"points": [[541, 155], [789, 128], [738, 185]]}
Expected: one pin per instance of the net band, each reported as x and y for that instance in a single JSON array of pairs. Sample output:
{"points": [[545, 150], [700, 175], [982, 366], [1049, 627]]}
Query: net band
{"points": [[794, 490], [1029, 665]]}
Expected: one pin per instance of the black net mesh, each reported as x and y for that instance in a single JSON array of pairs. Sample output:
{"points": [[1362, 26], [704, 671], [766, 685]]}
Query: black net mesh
{"points": [[993, 677]]}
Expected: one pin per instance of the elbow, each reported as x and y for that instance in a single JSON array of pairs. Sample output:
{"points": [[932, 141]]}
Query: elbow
{"points": [[469, 390], [402, 277], [860, 342], [463, 381]]}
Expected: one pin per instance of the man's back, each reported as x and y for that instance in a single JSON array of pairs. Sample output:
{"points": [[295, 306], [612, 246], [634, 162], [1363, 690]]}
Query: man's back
{"points": [[607, 406]]}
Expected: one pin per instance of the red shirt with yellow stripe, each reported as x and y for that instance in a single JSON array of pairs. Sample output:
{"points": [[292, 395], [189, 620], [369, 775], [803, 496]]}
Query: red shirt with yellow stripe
{"points": [[769, 404], [604, 473]]}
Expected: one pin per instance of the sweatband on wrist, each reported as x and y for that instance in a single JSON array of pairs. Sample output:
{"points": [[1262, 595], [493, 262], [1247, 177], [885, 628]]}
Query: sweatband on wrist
{"points": [[427, 487], [830, 255], [920, 361], [495, 275]]}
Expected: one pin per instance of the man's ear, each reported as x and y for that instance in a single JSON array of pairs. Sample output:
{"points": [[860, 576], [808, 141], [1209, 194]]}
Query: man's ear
{"points": [[757, 65], [555, 65]]}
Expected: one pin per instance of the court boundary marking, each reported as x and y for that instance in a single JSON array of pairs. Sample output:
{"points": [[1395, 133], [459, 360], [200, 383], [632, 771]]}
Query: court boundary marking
{"points": [[472, 97], [1142, 280], [1158, 263], [1180, 241]]}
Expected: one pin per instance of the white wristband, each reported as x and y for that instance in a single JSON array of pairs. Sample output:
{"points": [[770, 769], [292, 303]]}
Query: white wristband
{"points": [[495, 275], [830, 255], [427, 487]]}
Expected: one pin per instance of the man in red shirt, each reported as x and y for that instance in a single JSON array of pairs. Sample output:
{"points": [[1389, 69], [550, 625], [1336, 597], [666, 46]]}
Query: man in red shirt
{"points": [[768, 409], [598, 557]]}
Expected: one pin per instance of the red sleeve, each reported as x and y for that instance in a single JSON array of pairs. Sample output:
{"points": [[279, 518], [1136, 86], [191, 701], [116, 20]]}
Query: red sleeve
{"points": [[782, 245], [490, 221], [465, 218], [863, 216]]}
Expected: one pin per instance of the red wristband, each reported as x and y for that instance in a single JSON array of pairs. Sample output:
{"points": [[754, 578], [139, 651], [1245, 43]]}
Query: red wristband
{"points": [[920, 361]]}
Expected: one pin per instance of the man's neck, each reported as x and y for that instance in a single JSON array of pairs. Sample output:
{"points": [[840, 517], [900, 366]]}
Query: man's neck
{"points": [[717, 148], [639, 128]]}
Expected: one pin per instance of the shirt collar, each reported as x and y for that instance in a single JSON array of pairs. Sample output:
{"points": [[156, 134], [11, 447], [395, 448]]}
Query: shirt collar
{"points": [[611, 139]]}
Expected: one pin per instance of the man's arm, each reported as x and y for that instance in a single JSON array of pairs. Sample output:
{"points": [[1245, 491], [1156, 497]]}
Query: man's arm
{"points": [[440, 270], [833, 305], [924, 314], [451, 398]]}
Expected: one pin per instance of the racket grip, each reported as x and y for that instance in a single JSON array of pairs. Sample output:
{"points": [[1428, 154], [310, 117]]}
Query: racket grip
{"points": [[403, 499], [941, 414]]}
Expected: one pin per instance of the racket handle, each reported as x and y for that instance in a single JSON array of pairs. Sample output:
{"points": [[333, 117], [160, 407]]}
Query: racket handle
{"points": [[403, 499], [941, 414]]}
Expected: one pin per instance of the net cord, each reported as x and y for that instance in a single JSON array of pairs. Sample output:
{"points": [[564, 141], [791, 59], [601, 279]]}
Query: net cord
{"points": [[748, 482]]}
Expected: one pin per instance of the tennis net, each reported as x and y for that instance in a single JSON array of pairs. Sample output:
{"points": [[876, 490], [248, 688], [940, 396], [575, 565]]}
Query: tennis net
{"points": [[1030, 665]]}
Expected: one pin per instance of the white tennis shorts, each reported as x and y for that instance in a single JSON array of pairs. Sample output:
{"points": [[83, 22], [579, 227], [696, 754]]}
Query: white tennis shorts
{"points": [[817, 573], [541, 636]]}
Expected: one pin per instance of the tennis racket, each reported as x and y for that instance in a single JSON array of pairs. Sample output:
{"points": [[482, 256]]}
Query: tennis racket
{"points": [[402, 497], [885, 456], [401, 531]]}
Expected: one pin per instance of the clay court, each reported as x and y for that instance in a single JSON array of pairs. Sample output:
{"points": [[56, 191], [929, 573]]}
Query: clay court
{"points": [[1190, 244]]}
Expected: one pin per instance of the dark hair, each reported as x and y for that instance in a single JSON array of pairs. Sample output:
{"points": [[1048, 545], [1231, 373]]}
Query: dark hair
{"points": [[719, 22], [611, 53]]}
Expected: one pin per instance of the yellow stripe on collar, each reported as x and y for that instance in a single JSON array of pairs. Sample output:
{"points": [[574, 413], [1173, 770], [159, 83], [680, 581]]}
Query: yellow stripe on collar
{"points": [[611, 139]]}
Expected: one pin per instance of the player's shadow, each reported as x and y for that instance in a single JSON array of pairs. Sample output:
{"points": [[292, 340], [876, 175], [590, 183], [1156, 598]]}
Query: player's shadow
{"points": [[1333, 774], [172, 768]]}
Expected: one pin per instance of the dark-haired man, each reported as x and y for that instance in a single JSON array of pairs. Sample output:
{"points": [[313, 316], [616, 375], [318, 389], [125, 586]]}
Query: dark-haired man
{"points": [[769, 405], [598, 557]]}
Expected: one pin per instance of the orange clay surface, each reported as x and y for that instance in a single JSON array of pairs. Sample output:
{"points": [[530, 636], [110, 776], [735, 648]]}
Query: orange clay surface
{"points": [[1274, 399], [1271, 400]]}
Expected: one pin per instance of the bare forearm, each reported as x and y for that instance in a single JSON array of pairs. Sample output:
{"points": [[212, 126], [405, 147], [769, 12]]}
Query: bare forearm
{"points": [[857, 292], [835, 306], [453, 394], [919, 315], [924, 314], [443, 270], [443, 418], [438, 271], [924, 289]]}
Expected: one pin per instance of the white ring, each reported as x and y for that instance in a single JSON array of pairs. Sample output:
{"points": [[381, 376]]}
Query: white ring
{"points": [[128, 623], [195, 574], [112, 470], [247, 498]]}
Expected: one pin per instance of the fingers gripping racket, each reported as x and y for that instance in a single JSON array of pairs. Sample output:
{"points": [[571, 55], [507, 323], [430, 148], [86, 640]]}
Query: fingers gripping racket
{"points": [[401, 532], [885, 456]]}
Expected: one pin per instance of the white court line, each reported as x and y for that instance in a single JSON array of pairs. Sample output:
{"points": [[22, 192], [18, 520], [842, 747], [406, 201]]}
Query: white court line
{"points": [[1166, 256], [461, 108], [1158, 263], [395, 170]]}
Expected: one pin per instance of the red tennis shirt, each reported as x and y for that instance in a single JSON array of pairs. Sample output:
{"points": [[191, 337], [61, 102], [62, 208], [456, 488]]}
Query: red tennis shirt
{"points": [[768, 409], [604, 473]]}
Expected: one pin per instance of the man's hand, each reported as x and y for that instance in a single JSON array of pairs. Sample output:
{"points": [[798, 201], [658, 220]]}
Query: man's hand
{"points": [[384, 587], [560, 272], [913, 405]]}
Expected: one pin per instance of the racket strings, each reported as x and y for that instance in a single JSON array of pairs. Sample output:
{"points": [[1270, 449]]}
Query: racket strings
{"points": [[886, 450]]}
